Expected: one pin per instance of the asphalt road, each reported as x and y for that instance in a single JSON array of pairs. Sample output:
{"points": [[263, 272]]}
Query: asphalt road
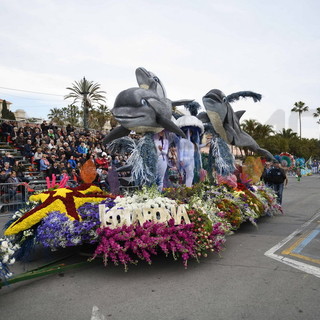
{"points": [[241, 283]]}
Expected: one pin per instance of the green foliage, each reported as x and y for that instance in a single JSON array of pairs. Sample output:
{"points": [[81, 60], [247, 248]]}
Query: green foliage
{"points": [[72, 115], [88, 94], [56, 115], [6, 113], [99, 116], [284, 141]]}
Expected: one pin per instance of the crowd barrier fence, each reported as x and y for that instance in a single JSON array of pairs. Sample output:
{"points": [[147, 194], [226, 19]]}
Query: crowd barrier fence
{"points": [[14, 195]]}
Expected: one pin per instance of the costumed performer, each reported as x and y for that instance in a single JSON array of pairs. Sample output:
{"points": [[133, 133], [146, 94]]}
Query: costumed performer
{"points": [[162, 146], [189, 149]]}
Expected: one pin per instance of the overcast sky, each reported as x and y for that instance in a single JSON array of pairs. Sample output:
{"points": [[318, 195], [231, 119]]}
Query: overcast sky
{"points": [[271, 47]]}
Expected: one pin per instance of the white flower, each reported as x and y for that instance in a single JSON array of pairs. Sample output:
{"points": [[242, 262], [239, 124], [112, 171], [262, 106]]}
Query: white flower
{"points": [[4, 244], [5, 258]]}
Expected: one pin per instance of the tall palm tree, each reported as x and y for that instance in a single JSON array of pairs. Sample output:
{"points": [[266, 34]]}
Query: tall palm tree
{"points": [[88, 93], [300, 107]]}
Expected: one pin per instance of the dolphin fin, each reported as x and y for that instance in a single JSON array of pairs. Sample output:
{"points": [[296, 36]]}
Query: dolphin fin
{"points": [[116, 133], [239, 113], [203, 116], [169, 125]]}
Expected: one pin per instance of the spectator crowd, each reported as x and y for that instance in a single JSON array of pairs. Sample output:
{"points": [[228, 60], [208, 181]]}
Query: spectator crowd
{"points": [[55, 150]]}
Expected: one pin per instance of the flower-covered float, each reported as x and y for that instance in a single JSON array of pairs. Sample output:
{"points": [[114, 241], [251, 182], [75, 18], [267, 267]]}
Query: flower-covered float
{"points": [[187, 223]]}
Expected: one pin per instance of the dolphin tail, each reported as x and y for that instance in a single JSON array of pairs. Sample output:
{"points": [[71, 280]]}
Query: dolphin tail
{"points": [[116, 133], [169, 125], [265, 153], [243, 94]]}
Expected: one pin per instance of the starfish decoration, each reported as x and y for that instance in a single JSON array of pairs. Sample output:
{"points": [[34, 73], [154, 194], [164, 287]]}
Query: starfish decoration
{"points": [[65, 200]]}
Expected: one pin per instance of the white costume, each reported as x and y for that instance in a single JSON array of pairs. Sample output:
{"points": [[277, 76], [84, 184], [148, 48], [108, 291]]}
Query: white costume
{"points": [[186, 159], [162, 147], [186, 148]]}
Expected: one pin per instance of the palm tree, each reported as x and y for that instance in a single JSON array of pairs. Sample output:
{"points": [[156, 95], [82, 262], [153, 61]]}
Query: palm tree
{"points": [[300, 107], [72, 115], [56, 115], [250, 126], [87, 93], [317, 114], [99, 117], [264, 131], [287, 133]]}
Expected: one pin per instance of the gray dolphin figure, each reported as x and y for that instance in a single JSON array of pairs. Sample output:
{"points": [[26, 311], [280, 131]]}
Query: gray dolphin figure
{"points": [[141, 110], [226, 122], [146, 79], [144, 109]]}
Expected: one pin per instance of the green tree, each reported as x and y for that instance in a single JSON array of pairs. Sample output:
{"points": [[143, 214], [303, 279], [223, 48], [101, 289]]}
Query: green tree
{"points": [[264, 131], [87, 93], [250, 127], [300, 107], [113, 121], [287, 133], [72, 115], [99, 116], [57, 115], [6, 113], [317, 113]]}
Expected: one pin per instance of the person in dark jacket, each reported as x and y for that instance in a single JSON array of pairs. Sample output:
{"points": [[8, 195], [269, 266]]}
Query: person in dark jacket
{"points": [[277, 178]]}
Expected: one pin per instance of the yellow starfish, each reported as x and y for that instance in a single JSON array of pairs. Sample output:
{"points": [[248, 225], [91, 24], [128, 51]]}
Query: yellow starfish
{"points": [[65, 200]]}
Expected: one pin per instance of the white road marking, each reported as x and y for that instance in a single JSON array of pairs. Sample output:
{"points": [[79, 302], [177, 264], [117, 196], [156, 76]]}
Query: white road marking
{"points": [[291, 262]]}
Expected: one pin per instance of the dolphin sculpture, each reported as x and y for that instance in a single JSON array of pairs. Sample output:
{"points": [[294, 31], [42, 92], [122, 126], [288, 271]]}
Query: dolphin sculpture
{"points": [[225, 121], [146, 79], [143, 109]]}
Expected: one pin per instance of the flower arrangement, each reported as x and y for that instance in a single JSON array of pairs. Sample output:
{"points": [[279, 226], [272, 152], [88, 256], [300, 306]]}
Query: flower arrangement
{"points": [[63, 200], [57, 230], [122, 244], [214, 211], [7, 251]]}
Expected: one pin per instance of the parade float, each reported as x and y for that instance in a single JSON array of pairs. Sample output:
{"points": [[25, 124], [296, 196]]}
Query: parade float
{"points": [[182, 222]]}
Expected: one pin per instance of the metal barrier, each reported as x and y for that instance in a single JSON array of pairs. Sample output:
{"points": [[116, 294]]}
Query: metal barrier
{"points": [[14, 195]]}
